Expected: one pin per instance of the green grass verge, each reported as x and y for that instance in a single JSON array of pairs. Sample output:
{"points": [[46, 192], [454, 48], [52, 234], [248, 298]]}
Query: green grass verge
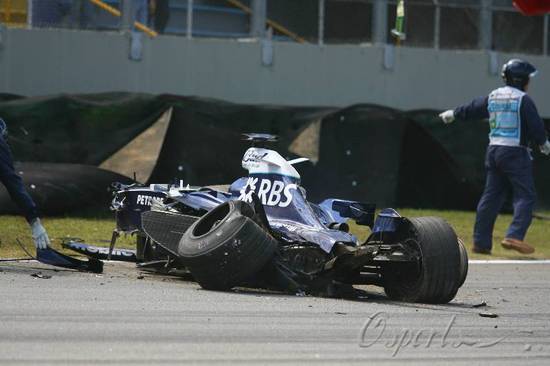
{"points": [[93, 230], [97, 230]]}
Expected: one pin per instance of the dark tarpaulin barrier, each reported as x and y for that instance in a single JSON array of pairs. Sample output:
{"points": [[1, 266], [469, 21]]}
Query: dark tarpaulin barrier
{"points": [[359, 155], [80, 129], [386, 157], [203, 144], [62, 188], [7, 97], [363, 152], [433, 170]]}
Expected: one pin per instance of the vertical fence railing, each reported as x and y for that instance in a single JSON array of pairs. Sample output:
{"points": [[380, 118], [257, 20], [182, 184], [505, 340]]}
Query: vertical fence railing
{"points": [[7, 10], [437, 24], [29, 13], [485, 25], [189, 30], [126, 7], [258, 18], [545, 36], [380, 21], [321, 23]]}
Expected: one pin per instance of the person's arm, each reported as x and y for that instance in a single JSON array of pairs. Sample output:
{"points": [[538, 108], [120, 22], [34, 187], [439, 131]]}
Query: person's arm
{"points": [[476, 109], [534, 126], [19, 194]]}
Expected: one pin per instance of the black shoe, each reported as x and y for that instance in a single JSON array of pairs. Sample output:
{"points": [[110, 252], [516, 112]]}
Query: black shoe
{"points": [[479, 250]]}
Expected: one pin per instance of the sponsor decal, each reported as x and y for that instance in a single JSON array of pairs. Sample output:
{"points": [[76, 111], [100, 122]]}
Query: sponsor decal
{"points": [[273, 193], [253, 156], [83, 248], [145, 200]]}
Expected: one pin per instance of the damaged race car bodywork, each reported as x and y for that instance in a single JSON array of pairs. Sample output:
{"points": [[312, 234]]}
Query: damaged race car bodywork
{"points": [[262, 232]]}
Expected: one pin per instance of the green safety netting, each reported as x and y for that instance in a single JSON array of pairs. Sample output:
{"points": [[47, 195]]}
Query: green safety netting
{"points": [[83, 129]]}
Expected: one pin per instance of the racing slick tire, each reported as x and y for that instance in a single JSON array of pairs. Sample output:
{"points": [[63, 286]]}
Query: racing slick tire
{"points": [[436, 277], [463, 262], [226, 247]]}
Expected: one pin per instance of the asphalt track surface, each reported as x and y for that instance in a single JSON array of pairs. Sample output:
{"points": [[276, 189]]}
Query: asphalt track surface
{"points": [[118, 318]]}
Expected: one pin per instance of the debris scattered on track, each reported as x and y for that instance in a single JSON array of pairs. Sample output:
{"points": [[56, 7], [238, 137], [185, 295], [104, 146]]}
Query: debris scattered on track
{"points": [[488, 315], [40, 275], [479, 305]]}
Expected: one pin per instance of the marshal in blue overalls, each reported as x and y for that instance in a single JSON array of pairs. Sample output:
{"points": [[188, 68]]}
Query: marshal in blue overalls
{"points": [[514, 123]]}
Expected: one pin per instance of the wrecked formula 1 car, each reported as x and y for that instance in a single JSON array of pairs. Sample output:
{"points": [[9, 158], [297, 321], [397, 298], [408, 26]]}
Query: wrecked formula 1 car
{"points": [[262, 232]]}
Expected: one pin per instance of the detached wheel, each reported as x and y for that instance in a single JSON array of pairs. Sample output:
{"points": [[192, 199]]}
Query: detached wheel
{"points": [[226, 247], [463, 262], [438, 274]]}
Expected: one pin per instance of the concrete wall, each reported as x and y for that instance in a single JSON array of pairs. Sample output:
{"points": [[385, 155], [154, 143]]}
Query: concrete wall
{"points": [[43, 62]]}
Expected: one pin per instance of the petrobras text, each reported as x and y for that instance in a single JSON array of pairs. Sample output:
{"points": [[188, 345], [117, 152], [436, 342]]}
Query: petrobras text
{"points": [[145, 200]]}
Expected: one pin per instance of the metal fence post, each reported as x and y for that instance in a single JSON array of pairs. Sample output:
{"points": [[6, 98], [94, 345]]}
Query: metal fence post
{"points": [[126, 20], [258, 21], [380, 21], [189, 31], [76, 14], [437, 24], [485, 25], [29, 13], [267, 48], [545, 36], [321, 34]]}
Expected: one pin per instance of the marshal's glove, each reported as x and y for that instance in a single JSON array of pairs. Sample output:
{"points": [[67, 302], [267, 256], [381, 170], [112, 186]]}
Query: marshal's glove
{"points": [[447, 116], [545, 149], [39, 235]]}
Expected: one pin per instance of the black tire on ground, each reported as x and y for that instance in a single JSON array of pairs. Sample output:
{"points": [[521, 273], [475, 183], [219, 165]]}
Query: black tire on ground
{"points": [[225, 247], [436, 278], [463, 262]]}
